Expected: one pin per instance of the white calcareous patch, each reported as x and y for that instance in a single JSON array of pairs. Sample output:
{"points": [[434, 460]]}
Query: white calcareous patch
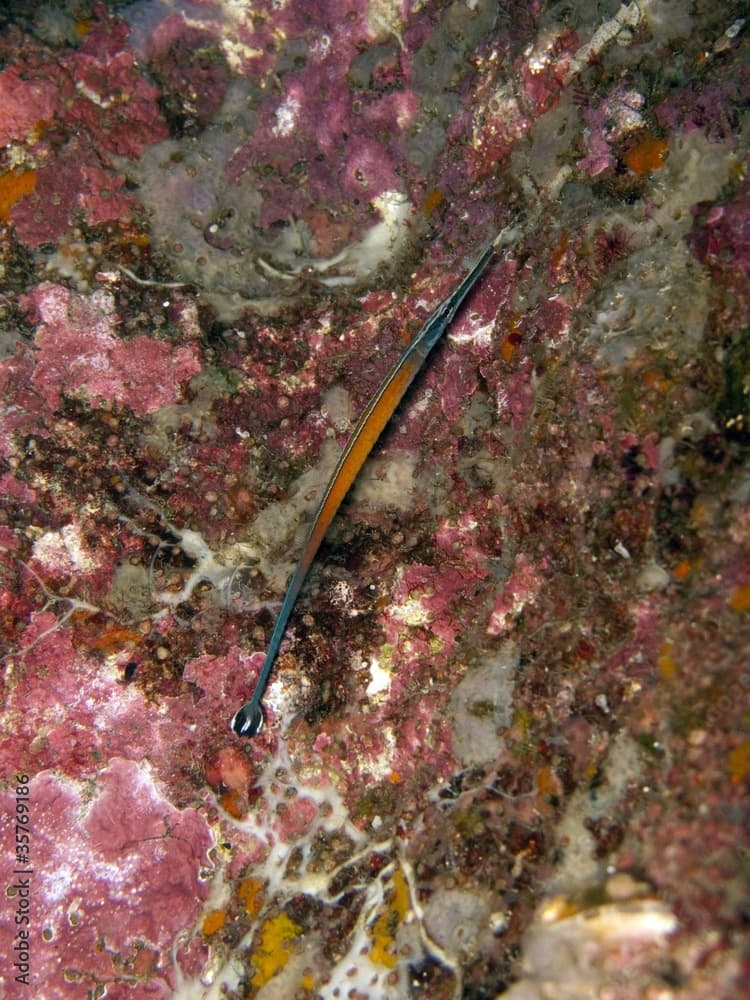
{"points": [[569, 952], [65, 551]]}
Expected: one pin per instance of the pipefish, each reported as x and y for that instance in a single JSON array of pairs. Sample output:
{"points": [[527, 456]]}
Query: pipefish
{"points": [[249, 719]]}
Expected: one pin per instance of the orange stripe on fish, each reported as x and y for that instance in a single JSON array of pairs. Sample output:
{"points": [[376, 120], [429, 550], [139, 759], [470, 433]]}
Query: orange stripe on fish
{"points": [[249, 719]]}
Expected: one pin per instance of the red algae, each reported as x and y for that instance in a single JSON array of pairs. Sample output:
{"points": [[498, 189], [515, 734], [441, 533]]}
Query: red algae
{"points": [[103, 891], [78, 352], [506, 746], [27, 105]]}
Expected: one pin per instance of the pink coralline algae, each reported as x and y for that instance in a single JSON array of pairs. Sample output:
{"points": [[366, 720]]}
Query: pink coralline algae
{"points": [[25, 105], [71, 114], [519, 590], [505, 748], [720, 239], [79, 353], [117, 873], [617, 116]]}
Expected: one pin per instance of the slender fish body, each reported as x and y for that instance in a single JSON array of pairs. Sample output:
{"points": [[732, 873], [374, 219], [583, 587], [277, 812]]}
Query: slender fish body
{"points": [[249, 719]]}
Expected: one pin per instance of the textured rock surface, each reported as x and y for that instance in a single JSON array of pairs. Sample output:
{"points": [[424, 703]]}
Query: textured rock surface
{"points": [[507, 749]]}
